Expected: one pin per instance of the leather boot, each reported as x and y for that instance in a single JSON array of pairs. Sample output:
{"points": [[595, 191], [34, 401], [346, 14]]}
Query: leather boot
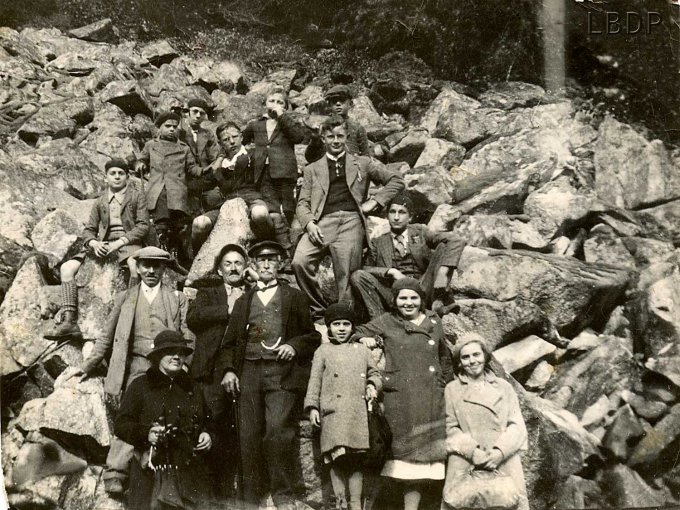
{"points": [[69, 326]]}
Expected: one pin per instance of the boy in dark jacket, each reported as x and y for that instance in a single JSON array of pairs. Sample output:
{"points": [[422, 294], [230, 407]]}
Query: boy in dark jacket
{"points": [[169, 161], [275, 168], [118, 224]]}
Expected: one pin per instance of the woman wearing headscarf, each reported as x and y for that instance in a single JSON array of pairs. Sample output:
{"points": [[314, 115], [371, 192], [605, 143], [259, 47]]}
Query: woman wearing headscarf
{"points": [[417, 367], [485, 430]]}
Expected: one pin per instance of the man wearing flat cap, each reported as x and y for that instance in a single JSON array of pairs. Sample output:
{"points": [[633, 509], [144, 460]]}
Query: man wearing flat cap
{"points": [[265, 359], [138, 315], [169, 162], [339, 101]]}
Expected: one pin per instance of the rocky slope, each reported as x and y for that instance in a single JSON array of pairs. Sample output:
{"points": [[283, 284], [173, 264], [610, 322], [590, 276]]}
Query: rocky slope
{"points": [[575, 277]]}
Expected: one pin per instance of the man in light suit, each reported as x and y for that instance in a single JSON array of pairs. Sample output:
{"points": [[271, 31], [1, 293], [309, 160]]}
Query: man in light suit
{"points": [[138, 315], [407, 250], [332, 207]]}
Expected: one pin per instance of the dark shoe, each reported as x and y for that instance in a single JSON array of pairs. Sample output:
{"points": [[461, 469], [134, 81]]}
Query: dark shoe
{"points": [[114, 487], [67, 329]]}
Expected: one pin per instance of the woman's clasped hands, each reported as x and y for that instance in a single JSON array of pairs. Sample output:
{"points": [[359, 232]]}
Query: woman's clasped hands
{"points": [[487, 460]]}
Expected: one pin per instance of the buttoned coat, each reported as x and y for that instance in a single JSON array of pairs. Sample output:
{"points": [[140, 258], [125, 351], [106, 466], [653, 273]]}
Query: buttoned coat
{"points": [[115, 342], [133, 213], [337, 388], [169, 164], [418, 365], [489, 417], [298, 332], [280, 148], [360, 172], [206, 147]]}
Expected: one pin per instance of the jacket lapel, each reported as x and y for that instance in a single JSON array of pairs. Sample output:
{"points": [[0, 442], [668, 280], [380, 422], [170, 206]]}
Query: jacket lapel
{"points": [[322, 175], [351, 169], [488, 398], [385, 249], [170, 305], [127, 198]]}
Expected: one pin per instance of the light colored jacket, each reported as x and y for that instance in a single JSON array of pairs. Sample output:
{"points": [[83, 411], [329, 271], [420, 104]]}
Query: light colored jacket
{"points": [[114, 345]]}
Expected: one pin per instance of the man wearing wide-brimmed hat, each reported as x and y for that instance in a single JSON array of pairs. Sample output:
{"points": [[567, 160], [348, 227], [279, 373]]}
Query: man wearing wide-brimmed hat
{"points": [[138, 315], [265, 359]]}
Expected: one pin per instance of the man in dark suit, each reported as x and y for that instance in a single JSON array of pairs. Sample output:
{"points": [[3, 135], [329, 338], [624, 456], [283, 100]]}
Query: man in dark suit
{"points": [[266, 358], [332, 207], [208, 317], [407, 250]]}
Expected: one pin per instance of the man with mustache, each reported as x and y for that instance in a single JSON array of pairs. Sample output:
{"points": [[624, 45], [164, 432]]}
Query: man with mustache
{"points": [[208, 317]]}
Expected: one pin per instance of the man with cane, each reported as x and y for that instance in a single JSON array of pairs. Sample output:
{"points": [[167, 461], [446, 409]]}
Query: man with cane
{"points": [[265, 359]]}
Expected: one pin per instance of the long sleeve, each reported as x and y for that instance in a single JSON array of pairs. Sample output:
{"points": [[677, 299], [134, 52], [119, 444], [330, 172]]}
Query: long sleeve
{"points": [[313, 397], [304, 205], [192, 167], [204, 313], [91, 230], [308, 338], [141, 229], [392, 183], [373, 374], [315, 149], [372, 328], [292, 129], [227, 355], [249, 133], [514, 437], [127, 426], [457, 441]]}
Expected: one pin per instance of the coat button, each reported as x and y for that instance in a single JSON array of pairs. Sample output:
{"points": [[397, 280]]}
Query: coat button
{"points": [[338, 396], [431, 342], [363, 375], [335, 375], [431, 369]]}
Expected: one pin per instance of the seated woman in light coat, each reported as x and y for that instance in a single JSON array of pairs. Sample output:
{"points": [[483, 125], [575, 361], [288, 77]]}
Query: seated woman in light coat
{"points": [[484, 425]]}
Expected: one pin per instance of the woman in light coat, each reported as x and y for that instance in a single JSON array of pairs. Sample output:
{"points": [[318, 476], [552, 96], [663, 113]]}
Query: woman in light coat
{"points": [[484, 425]]}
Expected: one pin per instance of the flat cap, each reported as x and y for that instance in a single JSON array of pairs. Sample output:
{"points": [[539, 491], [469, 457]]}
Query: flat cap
{"points": [[198, 103], [152, 253], [341, 91], [266, 246]]}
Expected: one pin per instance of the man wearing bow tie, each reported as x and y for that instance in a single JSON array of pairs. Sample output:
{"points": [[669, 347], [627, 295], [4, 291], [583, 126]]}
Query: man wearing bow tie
{"points": [[266, 357], [332, 207]]}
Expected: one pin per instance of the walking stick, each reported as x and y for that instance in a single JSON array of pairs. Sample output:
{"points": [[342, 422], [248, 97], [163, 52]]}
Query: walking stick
{"points": [[239, 463]]}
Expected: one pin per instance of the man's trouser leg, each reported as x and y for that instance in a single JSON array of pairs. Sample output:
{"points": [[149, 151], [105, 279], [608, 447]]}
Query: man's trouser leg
{"points": [[120, 452], [251, 432], [282, 409], [345, 240], [446, 254], [305, 266], [375, 295]]}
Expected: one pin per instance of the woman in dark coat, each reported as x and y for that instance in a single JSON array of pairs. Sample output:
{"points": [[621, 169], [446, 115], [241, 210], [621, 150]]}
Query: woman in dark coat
{"points": [[165, 418], [418, 365]]}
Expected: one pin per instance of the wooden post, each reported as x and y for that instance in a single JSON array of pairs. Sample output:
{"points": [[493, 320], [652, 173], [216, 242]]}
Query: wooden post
{"points": [[553, 23]]}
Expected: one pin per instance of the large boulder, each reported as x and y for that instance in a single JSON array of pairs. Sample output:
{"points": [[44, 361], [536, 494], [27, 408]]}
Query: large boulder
{"points": [[607, 369], [512, 94], [16, 44], [129, 96], [603, 246], [212, 74], [624, 488], [282, 78], [499, 322], [624, 430], [99, 31], [57, 120], [661, 222], [235, 108], [438, 152], [56, 233], [433, 185], [72, 64], [463, 120], [499, 231], [630, 171], [159, 52], [409, 147], [232, 226], [523, 353], [570, 292]]}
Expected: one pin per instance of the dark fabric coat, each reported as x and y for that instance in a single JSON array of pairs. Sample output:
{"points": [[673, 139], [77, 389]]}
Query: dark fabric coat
{"points": [[115, 343], [418, 365], [208, 317], [169, 164], [299, 332], [360, 172], [156, 396], [357, 143], [239, 182], [206, 147], [337, 386], [134, 214], [280, 147]]}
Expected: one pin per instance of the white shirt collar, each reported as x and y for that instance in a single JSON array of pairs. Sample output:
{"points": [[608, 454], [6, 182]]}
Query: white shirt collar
{"points": [[404, 236], [150, 293], [335, 158], [120, 195]]}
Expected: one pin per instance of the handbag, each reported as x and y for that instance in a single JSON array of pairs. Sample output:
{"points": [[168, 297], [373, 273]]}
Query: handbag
{"points": [[481, 489], [379, 437]]}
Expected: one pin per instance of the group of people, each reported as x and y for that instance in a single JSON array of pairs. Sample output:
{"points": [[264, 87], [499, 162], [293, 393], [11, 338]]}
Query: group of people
{"points": [[213, 390]]}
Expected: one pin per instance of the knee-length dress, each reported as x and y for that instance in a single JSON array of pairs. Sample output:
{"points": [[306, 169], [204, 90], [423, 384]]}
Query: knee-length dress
{"points": [[418, 366]]}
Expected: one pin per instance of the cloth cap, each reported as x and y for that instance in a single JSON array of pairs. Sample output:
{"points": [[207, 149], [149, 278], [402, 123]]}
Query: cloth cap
{"points": [[169, 339], [341, 91], [117, 163], [198, 103], [163, 116], [338, 311], [226, 249], [404, 200], [468, 338], [407, 283], [152, 253], [266, 248]]}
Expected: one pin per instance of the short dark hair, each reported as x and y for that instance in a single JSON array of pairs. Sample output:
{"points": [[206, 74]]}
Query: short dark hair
{"points": [[226, 125], [279, 90], [403, 200], [332, 122]]}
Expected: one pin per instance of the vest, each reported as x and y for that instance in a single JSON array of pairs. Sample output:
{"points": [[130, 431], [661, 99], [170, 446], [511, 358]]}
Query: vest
{"points": [[149, 321], [339, 197], [406, 264], [264, 325]]}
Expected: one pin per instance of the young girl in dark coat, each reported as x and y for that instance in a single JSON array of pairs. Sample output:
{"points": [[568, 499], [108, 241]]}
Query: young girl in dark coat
{"points": [[165, 418], [344, 376]]}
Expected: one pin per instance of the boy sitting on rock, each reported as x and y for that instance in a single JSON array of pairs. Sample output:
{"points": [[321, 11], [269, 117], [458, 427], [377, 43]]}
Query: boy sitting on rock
{"points": [[118, 225], [169, 161]]}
